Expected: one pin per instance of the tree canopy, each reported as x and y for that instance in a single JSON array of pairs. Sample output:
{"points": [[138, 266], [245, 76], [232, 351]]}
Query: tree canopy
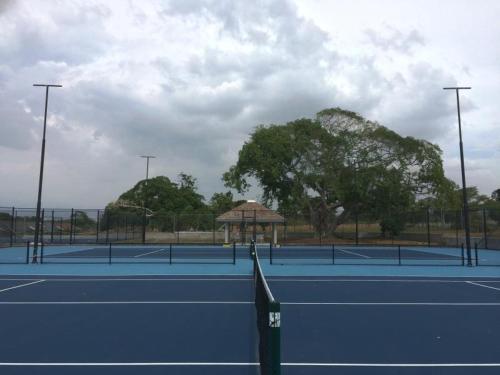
{"points": [[337, 164]]}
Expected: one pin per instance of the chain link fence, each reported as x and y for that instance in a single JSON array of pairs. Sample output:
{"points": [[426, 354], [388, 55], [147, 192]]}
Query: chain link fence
{"points": [[81, 226]]}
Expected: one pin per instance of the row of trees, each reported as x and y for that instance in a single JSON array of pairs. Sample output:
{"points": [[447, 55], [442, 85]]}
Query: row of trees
{"points": [[329, 168]]}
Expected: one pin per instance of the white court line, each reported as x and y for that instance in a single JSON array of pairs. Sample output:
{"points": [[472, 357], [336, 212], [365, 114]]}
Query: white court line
{"points": [[394, 303], [354, 253], [270, 279], [304, 364], [473, 304], [392, 364], [151, 252], [484, 286], [20, 286], [126, 302]]}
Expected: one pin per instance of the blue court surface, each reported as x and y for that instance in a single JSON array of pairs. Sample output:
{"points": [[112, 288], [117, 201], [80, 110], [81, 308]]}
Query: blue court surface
{"points": [[207, 325], [284, 254]]}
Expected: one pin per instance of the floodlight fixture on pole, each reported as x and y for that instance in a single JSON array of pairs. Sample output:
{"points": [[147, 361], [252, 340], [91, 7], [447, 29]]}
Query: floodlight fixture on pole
{"points": [[464, 186], [144, 218], [40, 180]]}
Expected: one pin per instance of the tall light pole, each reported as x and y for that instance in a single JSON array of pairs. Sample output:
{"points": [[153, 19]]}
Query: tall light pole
{"points": [[464, 186], [147, 157], [40, 180]]}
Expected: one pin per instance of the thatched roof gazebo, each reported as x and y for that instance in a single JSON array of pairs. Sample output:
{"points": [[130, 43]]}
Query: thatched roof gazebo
{"points": [[250, 213]]}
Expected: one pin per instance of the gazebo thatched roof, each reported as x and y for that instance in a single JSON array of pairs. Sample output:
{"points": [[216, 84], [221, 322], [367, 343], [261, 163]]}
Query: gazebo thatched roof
{"points": [[249, 212]]}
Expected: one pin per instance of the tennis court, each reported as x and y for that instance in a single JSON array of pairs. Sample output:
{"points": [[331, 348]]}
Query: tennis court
{"points": [[285, 254], [207, 325]]}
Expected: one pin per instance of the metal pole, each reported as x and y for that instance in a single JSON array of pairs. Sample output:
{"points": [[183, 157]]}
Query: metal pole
{"points": [[52, 227], [428, 228], [40, 180], [485, 229], [144, 220], [12, 226], [464, 186], [71, 226], [97, 227]]}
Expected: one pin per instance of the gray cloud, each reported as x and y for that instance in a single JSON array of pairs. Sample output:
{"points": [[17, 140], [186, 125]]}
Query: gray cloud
{"points": [[392, 39], [187, 82]]}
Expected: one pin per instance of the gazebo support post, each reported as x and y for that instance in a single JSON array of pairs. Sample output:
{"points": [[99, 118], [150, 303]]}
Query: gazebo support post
{"points": [[275, 234], [226, 232]]}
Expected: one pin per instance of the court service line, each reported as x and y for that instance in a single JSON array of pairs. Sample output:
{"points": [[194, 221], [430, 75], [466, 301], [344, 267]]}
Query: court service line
{"points": [[484, 286], [20, 286], [303, 364], [354, 253], [151, 252]]}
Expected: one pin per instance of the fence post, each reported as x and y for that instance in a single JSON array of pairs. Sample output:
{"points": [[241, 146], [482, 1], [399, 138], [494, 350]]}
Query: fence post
{"points": [[15, 226], [255, 225], [428, 228], [71, 227], [213, 227], [476, 253], [270, 252], [42, 226], [109, 254], [108, 214], [126, 225], [12, 226], [463, 255], [485, 229], [42, 248], [97, 227], [357, 226], [52, 227], [234, 252], [27, 252]]}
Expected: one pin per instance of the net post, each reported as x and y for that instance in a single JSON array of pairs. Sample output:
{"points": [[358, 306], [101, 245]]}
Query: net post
{"points": [[476, 254], [399, 254], [42, 248], [275, 338], [170, 254], [271, 252], [109, 254], [463, 255], [27, 252], [333, 253], [234, 253]]}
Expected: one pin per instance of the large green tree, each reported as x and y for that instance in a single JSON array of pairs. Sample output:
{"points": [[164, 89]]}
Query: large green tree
{"points": [[336, 165], [168, 204]]}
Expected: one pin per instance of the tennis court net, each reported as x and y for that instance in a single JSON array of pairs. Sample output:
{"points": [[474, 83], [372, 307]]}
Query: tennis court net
{"points": [[268, 321]]}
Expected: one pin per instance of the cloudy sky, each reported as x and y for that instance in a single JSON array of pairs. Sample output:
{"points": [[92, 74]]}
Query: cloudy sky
{"points": [[188, 80]]}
